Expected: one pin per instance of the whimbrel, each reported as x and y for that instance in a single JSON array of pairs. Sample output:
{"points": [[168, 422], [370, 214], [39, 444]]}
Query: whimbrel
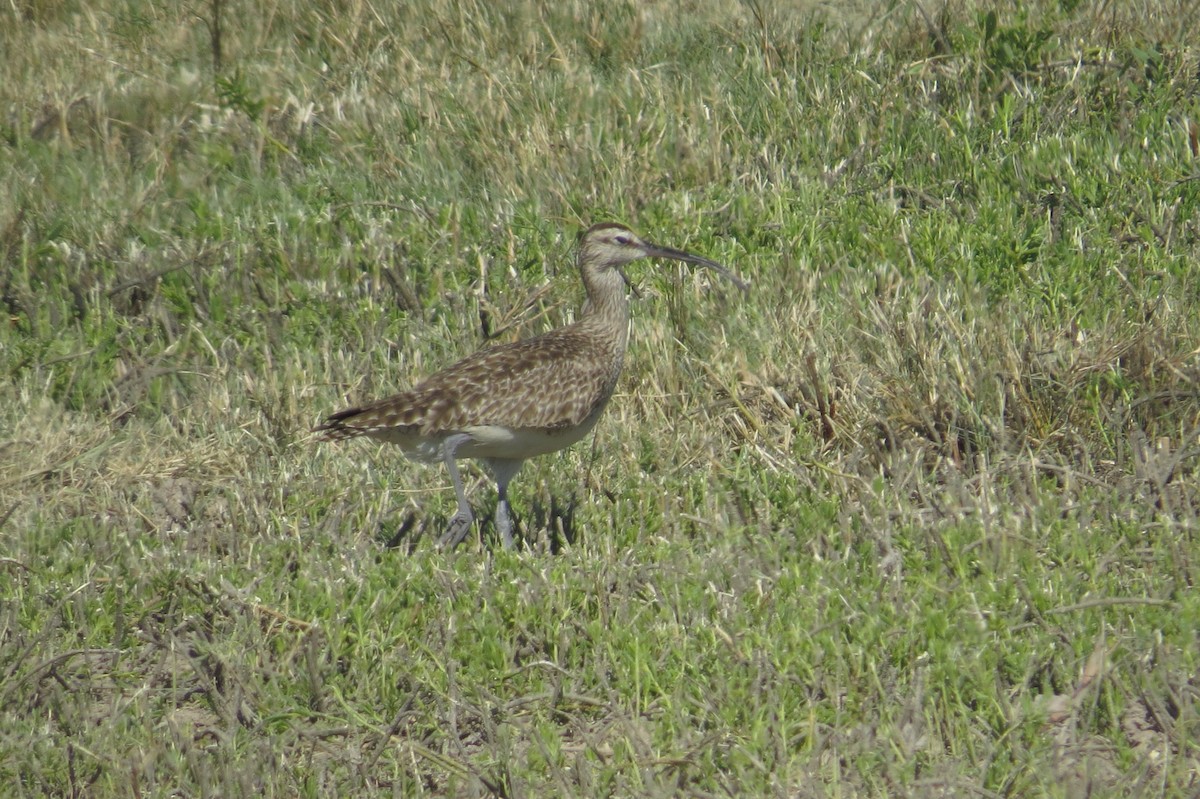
{"points": [[508, 403]]}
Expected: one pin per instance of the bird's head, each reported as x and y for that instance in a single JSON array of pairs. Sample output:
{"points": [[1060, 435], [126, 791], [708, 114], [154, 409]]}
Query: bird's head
{"points": [[609, 245]]}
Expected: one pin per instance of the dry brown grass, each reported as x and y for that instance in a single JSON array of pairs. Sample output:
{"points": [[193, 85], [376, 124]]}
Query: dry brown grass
{"points": [[917, 518]]}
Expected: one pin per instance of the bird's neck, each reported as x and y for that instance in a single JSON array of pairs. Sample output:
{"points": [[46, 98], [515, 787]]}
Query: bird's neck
{"points": [[607, 304]]}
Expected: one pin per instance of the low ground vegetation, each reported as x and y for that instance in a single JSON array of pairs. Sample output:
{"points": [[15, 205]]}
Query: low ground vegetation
{"points": [[918, 516]]}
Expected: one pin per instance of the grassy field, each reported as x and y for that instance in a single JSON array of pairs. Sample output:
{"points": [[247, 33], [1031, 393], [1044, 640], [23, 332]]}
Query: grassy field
{"points": [[919, 516]]}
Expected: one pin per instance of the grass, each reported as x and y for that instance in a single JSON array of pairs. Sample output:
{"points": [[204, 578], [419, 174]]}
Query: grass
{"points": [[918, 517]]}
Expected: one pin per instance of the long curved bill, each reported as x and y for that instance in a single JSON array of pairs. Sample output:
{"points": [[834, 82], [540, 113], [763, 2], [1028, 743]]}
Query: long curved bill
{"points": [[656, 251]]}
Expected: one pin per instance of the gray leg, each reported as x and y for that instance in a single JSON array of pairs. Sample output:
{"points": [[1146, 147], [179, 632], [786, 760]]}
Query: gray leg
{"points": [[504, 471], [460, 523]]}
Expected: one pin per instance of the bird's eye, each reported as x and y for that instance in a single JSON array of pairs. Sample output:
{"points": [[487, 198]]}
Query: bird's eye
{"points": [[623, 240]]}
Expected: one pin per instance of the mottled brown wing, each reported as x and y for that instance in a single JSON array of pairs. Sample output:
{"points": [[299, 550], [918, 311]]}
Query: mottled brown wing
{"points": [[361, 420], [550, 382]]}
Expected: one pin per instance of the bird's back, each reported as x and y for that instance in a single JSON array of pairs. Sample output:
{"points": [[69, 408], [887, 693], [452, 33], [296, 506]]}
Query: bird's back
{"points": [[550, 383]]}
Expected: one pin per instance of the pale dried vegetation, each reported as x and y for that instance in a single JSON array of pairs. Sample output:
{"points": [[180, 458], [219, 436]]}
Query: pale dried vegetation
{"points": [[918, 517]]}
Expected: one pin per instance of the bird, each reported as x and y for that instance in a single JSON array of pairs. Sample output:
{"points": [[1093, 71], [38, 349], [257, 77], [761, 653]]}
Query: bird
{"points": [[508, 403]]}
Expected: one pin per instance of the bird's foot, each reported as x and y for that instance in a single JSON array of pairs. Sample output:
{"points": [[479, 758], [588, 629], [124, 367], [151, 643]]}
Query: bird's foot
{"points": [[504, 524], [456, 530]]}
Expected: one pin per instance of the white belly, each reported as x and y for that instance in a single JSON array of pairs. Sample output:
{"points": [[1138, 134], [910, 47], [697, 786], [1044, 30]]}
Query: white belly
{"points": [[487, 441], [494, 441]]}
